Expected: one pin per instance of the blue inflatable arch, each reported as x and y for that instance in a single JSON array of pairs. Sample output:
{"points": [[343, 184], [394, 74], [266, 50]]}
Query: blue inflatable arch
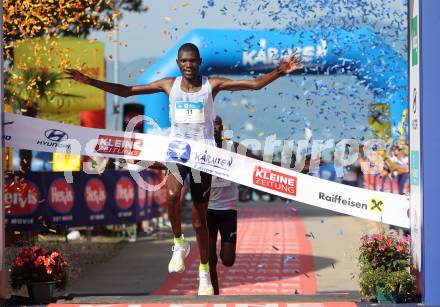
{"points": [[360, 52]]}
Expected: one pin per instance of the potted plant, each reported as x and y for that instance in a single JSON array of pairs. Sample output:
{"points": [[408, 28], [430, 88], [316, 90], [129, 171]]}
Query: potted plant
{"points": [[40, 270], [384, 268]]}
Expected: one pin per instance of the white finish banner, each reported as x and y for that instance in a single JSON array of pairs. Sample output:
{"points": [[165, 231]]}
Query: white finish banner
{"points": [[40, 135]]}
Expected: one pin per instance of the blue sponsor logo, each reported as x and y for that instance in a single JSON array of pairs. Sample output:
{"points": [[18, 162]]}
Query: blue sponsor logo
{"points": [[179, 151], [188, 105]]}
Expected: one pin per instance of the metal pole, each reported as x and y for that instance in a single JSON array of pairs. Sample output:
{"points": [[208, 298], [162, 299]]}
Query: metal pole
{"points": [[3, 270], [116, 106]]}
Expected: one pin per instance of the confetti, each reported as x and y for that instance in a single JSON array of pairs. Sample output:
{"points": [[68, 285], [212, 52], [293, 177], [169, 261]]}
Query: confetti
{"points": [[275, 248], [167, 18]]}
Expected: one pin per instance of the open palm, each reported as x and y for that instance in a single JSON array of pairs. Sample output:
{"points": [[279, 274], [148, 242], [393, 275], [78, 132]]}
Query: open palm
{"points": [[76, 75], [294, 62]]}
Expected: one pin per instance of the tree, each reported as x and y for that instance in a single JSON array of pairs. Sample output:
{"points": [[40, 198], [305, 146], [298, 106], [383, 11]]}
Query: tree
{"points": [[42, 18], [25, 89]]}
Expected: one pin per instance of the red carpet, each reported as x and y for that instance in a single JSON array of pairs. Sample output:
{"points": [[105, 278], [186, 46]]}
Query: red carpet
{"points": [[274, 256]]}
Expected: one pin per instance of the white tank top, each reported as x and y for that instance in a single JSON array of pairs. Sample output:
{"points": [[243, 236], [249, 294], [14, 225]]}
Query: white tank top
{"points": [[224, 194], [192, 114]]}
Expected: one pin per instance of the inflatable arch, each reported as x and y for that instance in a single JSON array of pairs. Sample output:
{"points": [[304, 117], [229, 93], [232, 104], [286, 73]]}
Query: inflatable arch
{"points": [[360, 52]]}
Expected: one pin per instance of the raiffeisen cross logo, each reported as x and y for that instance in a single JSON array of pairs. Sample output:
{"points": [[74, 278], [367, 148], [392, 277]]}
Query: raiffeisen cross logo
{"points": [[275, 181], [377, 205], [179, 151]]}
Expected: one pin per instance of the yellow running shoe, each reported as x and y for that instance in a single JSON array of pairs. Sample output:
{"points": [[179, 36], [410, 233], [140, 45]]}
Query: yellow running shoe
{"points": [[180, 252], [205, 286]]}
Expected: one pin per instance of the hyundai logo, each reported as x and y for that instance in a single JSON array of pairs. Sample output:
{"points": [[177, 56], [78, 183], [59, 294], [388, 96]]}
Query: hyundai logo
{"points": [[56, 135]]}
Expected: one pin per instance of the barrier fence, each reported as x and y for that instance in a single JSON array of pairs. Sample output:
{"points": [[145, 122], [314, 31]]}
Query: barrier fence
{"points": [[46, 200]]}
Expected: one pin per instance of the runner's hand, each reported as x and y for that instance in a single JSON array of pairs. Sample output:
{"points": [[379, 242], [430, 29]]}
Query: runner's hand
{"points": [[292, 63], [76, 75]]}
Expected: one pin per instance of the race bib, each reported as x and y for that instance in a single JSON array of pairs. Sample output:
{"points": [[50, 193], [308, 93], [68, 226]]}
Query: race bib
{"points": [[189, 112]]}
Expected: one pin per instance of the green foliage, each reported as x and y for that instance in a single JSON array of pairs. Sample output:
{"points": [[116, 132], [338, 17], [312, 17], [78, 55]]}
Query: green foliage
{"points": [[26, 88], [384, 262], [36, 264]]}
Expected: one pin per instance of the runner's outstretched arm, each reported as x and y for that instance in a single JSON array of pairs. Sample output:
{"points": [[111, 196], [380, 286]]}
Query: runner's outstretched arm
{"points": [[162, 85], [285, 67]]}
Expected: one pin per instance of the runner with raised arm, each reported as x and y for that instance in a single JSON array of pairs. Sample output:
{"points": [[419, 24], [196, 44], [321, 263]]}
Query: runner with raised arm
{"points": [[195, 121]]}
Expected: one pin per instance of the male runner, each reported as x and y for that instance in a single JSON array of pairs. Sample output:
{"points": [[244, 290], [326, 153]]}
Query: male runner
{"points": [[192, 121], [222, 211]]}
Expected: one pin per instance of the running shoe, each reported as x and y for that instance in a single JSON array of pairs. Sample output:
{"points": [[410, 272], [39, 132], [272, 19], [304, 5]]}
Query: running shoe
{"points": [[180, 252], [205, 286]]}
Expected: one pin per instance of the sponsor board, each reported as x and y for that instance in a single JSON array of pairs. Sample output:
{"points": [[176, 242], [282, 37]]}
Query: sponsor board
{"points": [[21, 199], [95, 195], [124, 193], [178, 151], [61, 196], [116, 145], [275, 181], [142, 197]]}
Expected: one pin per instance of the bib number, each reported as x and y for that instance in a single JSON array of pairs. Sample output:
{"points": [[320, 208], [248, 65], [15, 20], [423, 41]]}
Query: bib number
{"points": [[189, 112]]}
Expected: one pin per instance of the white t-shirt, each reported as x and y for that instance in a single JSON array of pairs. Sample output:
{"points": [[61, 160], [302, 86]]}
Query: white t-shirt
{"points": [[224, 194]]}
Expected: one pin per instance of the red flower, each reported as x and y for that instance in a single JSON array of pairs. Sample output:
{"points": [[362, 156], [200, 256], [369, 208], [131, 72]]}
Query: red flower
{"points": [[19, 261], [398, 248], [382, 248]]}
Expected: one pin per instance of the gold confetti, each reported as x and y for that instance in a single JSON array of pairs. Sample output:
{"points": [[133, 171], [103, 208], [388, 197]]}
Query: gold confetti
{"points": [[251, 110], [260, 134], [167, 18], [52, 230]]}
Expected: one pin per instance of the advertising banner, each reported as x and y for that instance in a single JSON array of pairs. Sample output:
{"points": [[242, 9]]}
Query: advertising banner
{"points": [[46, 200], [373, 205]]}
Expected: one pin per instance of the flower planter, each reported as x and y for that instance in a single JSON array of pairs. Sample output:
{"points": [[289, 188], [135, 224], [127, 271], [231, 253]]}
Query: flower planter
{"points": [[385, 297], [41, 292]]}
